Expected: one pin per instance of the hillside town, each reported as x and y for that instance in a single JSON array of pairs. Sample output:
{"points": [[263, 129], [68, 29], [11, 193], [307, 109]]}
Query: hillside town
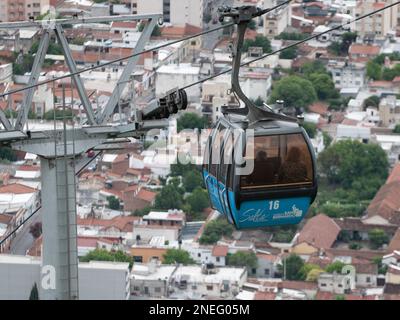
{"points": [[145, 227]]}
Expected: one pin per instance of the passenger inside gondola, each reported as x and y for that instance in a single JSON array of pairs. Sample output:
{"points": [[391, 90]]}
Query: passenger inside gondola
{"points": [[293, 169]]}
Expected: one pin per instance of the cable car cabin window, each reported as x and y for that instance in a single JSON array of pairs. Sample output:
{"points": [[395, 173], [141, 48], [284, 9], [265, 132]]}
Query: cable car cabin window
{"points": [[216, 144], [226, 157], [279, 161]]}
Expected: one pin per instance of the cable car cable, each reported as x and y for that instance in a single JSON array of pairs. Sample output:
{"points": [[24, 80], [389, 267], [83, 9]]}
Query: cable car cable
{"points": [[291, 45], [155, 48]]}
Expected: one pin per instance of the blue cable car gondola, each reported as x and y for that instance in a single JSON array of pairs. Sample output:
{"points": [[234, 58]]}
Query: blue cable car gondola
{"points": [[259, 165]]}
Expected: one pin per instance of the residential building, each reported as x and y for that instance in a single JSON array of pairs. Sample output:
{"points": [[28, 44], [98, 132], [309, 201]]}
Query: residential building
{"points": [[267, 265], [203, 254], [378, 25], [177, 76], [175, 12], [97, 280], [276, 21], [21, 10], [389, 111], [336, 283], [347, 75], [363, 52], [166, 218]]}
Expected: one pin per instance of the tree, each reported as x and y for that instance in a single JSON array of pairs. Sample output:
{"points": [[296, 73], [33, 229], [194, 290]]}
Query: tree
{"points": [[289, 53], [259, 101], [192, 180], [294, 91], [312, 67], [156, 31], [190, 120], [173, 256], [349, 162], [306, 269], [113, 203], [36, 230], [170, 197], [214, 230], [324, 86], [179, 169], [198, 200], [292, 36], [327, 139], [389, 74], [336, 266], [377, 237], [372, 101], [58, 114], [292, 264], [104, 255], [246, 259], [314, 274], [310, 128], [374, 70], [396, 128], [259, 41], [34, 295], [141, 212]]}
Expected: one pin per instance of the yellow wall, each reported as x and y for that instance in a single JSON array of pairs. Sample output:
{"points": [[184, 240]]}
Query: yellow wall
{"points": [[148, 253]]}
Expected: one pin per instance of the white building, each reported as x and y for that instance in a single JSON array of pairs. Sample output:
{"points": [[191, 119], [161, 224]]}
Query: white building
{"points": [[336, 283], [178, 75], [215, 255], [276, 21], [347, 75], [176, 12], [378, 24], [97, 280]]}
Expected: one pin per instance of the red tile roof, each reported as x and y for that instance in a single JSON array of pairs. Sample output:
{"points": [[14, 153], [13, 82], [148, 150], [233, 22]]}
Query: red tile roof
{"points": [[146, 195], [395, 242], [16, 188], [298, 285], [363, 49], [220, 251], [124, 24], [264, 295], [319, 231], [386, 202], [87, 242], [174, 31], [395, 174], [319, 107]]}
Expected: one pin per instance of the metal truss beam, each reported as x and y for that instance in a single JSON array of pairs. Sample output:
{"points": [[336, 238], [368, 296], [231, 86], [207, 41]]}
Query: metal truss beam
{"points": [[122, 82], [77, 78], [74, 21], [33, 79]]}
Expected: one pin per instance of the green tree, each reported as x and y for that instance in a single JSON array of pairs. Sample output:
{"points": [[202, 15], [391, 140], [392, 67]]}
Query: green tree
{"points": [[336, 266], [372, 101], [324, 86], [59, 114], [214, 230], [314, 274], [305, 270], [190, 120], [179, 169], [377, 237], [246, 259], [104, 255], [113, 203], [312, 67], [396, 128], [259, 101], [156, 31], [141, 212], [34, 295], [173, 256], [348, 161], [259, 41], [327, 139], [192, 180], [311, 129], [292, 36], [289, 53], [198, 200], [293, 265], [170, 197], [295, 91], [374, 70], [340, 297], [389, 74]]}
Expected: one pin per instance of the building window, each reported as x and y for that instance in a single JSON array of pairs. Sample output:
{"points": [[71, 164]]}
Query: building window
{"points": [[209, 287], [253, 270], [323, 284], [368, 279], [199, 254], [217, 259], [157, 289], [135, 288], [266, 272]]}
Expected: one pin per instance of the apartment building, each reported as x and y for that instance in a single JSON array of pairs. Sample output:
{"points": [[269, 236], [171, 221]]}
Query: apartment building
{"points": [[20, 10], [379, 24], [276, 21], [176, 12]]}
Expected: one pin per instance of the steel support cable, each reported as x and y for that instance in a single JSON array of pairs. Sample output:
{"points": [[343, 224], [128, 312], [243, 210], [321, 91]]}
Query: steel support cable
{"points": [[291, 45], [155, 48]]}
